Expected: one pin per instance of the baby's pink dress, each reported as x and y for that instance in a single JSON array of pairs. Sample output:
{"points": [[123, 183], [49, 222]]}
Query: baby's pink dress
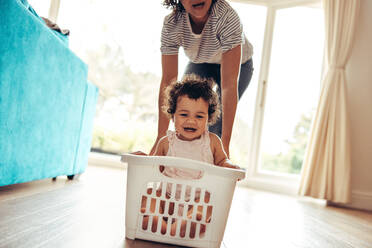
{"points": [[198, 149]]}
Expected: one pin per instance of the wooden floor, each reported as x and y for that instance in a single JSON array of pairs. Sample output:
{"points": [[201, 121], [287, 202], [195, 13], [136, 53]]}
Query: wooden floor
{"points": [[89, 212]]}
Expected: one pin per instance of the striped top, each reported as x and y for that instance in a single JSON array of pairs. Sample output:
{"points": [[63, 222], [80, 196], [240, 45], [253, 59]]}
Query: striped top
{"points": [[222, 32]]}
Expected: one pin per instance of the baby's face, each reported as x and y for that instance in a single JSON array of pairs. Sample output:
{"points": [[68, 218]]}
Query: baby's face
{"points": [[190, 118]]}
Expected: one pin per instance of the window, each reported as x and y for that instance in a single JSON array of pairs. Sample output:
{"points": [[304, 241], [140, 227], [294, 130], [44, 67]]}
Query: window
{"points": [[41, 7], [120, 41], [253, 18], [292, 90]]}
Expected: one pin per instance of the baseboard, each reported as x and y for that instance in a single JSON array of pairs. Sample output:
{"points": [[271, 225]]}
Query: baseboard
{"points": [[361, 200]]}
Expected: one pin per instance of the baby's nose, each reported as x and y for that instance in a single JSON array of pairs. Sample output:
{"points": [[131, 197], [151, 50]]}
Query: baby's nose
{"points": [[191, 120]]}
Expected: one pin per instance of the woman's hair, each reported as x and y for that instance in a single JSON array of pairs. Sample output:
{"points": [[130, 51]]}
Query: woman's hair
{"points": [[194, 87], [177, 6]]}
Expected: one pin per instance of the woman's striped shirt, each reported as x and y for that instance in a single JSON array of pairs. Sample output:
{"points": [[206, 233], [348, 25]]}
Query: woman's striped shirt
{"points": [[222, 32]]}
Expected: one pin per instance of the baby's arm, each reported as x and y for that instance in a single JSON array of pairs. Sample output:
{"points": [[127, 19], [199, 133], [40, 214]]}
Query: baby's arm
{"points": [[162, 147], [219, 154]]}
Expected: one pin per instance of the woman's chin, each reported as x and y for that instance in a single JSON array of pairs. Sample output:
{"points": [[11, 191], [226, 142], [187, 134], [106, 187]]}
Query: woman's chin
{"points": [[199, 15]]}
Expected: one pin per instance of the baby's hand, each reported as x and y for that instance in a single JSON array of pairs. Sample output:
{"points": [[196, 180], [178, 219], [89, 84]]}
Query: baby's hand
{"points": [[138, 153], [228, 164], [232, 166], [236, 167]]}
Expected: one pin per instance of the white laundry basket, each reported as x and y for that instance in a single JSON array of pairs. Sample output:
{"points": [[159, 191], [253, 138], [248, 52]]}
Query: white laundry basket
{"points": [[145, 183]]}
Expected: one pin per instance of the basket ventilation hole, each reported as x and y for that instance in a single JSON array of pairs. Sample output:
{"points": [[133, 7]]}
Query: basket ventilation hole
{"points": [[209, 214], [145, 222], [169, 190], [173, 230], [202, 230], [197, 195], [207, 196], [154, 223], [152, 205], [162, 207], [199, 213], [190, 209], [187, 193], [164, 225], [183, 228], [171, 208], [178, 192], [180, 210], [192, 230], [143, 204]]}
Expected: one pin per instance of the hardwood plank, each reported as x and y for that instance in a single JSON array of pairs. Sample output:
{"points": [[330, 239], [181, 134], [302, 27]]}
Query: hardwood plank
{"points": [[90, 212], [263, 219]]}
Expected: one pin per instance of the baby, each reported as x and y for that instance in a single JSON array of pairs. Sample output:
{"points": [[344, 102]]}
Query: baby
{"points": [[192, 105]]}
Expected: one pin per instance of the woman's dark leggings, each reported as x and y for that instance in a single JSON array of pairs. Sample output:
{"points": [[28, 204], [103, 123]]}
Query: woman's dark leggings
{"points": [[214, 71]]}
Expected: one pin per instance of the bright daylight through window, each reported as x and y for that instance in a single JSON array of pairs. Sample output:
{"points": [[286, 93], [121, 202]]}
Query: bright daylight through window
{"points": [[120, 41], [293, 88], [124, 61]]}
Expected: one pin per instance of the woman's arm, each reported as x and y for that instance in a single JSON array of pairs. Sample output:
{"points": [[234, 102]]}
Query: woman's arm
{"points": [[230, 68], [169, 73]]}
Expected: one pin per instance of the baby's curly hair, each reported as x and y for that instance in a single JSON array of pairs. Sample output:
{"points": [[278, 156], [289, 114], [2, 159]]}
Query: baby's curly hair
{"points": [[177, 6], [194, 87]]}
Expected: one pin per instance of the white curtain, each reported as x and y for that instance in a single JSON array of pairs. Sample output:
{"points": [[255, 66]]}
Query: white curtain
{"points": [[327, 165]]}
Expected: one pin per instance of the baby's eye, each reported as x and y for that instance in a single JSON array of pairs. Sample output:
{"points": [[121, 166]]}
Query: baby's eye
{"points": [[183, 115], [199, 116]]}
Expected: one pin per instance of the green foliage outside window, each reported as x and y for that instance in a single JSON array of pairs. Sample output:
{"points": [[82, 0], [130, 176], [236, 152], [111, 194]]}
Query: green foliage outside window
{"points": [[290, 162]]}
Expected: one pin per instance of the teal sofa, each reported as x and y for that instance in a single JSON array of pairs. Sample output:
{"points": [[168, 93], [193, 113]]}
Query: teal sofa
{"points": [[47, 106]]}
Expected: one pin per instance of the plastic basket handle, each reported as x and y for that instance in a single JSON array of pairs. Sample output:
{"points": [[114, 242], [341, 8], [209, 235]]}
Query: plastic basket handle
{"points": [[182, 163]]}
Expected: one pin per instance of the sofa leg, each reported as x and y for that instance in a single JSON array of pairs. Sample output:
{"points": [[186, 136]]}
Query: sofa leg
{"points": [[70, 177]]}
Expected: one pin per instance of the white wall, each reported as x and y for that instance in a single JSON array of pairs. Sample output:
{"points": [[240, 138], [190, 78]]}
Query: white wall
{"points": [[359, 76]]}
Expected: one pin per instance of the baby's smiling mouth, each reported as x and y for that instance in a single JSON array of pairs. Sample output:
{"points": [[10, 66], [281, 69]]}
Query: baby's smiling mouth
{"points": [[189, 129]]}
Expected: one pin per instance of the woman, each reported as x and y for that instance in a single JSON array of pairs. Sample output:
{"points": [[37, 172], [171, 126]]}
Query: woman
{"points": [[212, 37]]}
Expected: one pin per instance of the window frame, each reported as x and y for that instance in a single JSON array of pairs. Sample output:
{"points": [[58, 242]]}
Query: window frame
{"points": [[271, 181]]}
